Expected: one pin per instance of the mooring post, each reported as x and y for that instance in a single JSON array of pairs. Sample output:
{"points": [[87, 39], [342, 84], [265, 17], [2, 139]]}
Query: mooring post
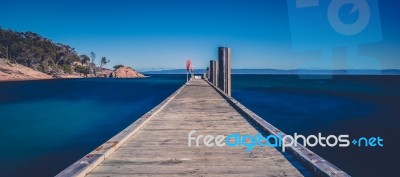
{"points": [[224, 67]]}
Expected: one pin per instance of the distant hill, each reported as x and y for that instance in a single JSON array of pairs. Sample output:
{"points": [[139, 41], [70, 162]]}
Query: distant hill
{"points": [[277, 71], [174, 71]]}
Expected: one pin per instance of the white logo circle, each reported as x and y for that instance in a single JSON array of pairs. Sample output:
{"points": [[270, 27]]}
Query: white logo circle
{"points": [[349, 29]]}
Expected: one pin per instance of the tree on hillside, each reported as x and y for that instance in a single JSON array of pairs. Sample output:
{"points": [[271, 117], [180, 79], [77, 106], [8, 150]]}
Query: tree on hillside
{"points": [[84, 59], [93, 56], [93, 64], [103, 61], [4, 43], [83, 70], [118, 66], [3, 52]]}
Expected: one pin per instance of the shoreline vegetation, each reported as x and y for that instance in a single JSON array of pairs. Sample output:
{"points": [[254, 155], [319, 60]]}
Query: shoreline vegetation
{"points": [[30, 56]]}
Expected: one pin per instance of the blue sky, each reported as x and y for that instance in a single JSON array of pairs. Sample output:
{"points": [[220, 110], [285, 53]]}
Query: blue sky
{"points": [[163, 34]]}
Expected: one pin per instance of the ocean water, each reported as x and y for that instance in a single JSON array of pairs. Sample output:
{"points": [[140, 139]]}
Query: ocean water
{"points": [[360, 106], [47, 125]]}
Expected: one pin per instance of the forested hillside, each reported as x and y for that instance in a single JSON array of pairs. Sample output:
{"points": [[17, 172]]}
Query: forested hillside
{"points": [[37, 52], [54, 59]]}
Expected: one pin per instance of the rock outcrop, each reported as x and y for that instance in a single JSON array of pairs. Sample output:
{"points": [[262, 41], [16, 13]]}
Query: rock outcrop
{"points": [[126, 72]]}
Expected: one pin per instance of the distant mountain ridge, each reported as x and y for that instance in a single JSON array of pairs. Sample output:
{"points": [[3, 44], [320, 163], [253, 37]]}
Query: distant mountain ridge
{"points": [[292, 71]]}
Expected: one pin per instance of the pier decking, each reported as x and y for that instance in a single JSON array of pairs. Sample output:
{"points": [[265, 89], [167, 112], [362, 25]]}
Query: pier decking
{"points": [[157, 144]]}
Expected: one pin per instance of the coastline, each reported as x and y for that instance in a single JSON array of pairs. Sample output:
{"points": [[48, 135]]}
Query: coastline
{"points": [[16, 72], [65, 78]]}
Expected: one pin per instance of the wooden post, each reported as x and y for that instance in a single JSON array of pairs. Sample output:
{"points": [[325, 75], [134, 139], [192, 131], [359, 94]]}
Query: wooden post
{"points": [[228, 71], [213, 72], [224, 67], [207, 74], [221, 68], [216, 74]]}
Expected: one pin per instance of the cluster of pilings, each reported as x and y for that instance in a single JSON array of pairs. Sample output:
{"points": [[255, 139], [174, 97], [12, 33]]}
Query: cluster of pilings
{"points": [[219, 72]]}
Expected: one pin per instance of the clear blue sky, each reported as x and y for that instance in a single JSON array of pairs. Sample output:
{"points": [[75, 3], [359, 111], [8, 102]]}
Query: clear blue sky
{"points": [[163, 34]]}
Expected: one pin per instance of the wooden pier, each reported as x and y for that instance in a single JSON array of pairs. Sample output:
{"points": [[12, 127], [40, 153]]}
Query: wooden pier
{"points": [[157, 143]]}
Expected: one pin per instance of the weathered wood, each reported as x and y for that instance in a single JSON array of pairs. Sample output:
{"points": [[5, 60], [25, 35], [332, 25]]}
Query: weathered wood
{"points": [[161, 146], [94, 158], [317, 164], [157, 143]]}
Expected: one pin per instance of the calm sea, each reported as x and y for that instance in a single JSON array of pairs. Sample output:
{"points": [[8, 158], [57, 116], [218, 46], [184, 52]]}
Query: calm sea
{"points": [[47, 125], [360, 106]]}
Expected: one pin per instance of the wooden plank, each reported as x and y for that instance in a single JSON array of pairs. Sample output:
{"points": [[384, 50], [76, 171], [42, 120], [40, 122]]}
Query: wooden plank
{"points": [[157, 144], [161, 146], [317, 164], [94, 158]]}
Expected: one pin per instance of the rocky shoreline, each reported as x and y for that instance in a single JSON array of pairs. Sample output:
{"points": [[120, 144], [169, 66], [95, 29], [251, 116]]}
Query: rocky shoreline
{"points": [[10, 71]]}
